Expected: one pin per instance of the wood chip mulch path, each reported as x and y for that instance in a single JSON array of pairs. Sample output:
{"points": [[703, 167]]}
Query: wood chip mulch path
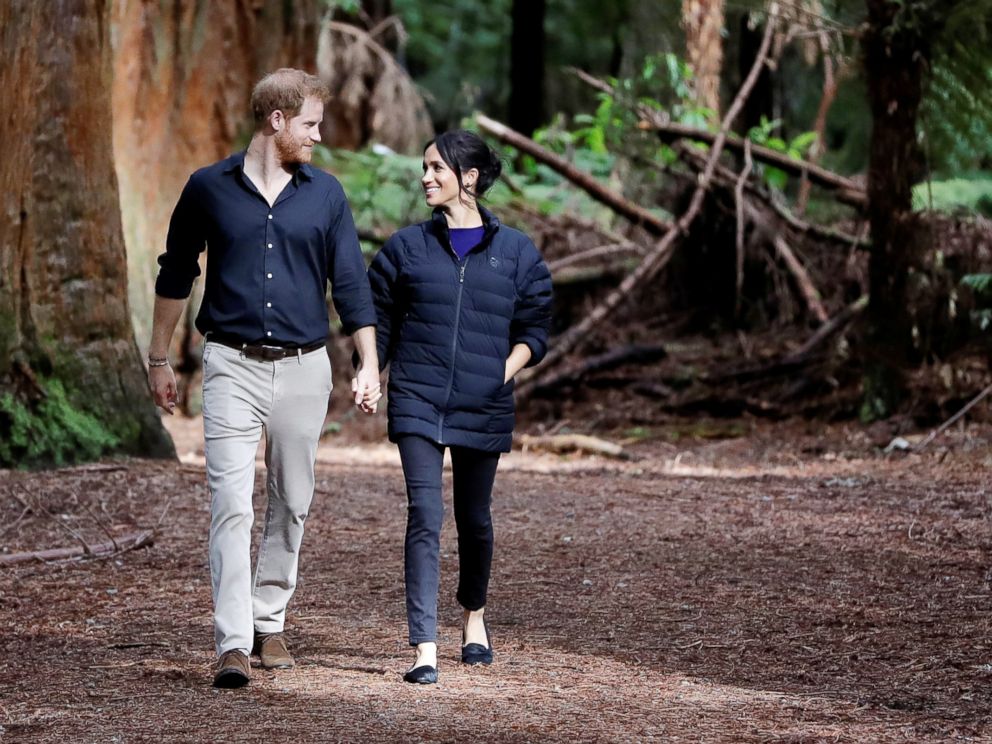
{"points": [[771, 588]]}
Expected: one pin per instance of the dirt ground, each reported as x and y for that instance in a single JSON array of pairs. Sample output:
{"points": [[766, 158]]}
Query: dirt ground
{"points": [[793, 583]]}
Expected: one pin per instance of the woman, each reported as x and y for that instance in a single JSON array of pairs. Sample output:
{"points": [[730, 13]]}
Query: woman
{"points": [[463, 303]]}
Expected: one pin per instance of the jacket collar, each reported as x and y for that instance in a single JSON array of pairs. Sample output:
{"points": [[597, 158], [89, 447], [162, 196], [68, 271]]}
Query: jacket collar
{"points": [[439, 226]]}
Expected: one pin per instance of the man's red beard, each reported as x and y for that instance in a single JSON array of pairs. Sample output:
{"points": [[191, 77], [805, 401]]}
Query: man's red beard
{"points": [[291, 151]]}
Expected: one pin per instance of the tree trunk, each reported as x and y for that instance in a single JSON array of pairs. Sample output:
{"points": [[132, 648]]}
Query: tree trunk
{"points": [[761, 103], [703, 24], [895, 59], [72, 386], [526, 111]]}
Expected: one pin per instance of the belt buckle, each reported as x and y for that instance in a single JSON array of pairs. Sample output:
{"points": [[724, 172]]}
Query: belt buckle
{"points": [[271, 353]]}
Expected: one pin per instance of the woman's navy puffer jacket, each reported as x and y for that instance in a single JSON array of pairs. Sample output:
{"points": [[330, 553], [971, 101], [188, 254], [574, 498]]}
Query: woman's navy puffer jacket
{"points": [[446, 327]]}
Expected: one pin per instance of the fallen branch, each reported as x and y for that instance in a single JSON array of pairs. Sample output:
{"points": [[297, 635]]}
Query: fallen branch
{"points": [[809, 292], [613, 249], [121, 544], [561, 443], [798, 358], [828, 329], [954, 419], [661, 253], [848, 191], [601, 362], [624, 207]]}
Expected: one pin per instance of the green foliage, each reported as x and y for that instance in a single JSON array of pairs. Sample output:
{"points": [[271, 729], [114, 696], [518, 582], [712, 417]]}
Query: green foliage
{"points": [[456, 52], [796, 148], [981, 287], [971, 193], [51, 432]]}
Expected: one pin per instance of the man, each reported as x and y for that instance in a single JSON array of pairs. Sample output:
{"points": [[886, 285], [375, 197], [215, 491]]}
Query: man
{"points": [[276, 230]]}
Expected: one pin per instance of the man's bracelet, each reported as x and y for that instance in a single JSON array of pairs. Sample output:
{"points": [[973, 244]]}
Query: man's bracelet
{"points": [[158, 361]]}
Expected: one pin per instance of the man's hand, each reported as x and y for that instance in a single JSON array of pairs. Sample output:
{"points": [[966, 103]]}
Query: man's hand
{"points": [[162, 382], [365, 385]]}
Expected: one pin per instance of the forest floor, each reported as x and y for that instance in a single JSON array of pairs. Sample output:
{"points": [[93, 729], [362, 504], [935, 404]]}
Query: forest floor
{"points": [[792, 583]]}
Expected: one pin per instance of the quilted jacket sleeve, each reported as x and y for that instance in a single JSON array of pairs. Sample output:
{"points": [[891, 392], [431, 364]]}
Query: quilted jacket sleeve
{"points": [[384, 274], [531, 322]]}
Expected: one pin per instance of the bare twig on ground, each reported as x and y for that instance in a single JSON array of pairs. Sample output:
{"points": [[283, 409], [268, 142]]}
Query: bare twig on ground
{"points": [[954, 419], [121, 544], [75, 535]]}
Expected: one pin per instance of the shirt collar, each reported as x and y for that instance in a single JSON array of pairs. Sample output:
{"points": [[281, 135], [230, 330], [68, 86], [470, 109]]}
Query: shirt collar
{"points": [[236, 164]]}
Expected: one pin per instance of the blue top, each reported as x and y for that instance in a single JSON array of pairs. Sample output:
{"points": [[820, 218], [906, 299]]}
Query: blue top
{"points": [[464, 239], [267, 267]]}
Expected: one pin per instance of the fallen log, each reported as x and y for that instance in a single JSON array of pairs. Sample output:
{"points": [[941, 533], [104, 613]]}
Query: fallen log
{"points": [[562, 443], [636, 353], [122, 544]]}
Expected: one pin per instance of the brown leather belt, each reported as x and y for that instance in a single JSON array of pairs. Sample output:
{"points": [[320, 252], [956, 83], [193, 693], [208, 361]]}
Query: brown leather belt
{"points": [[265, 352]]}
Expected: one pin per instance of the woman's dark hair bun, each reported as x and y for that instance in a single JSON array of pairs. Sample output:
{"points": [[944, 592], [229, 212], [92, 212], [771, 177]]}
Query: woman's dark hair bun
{"points": [[463, 150]]}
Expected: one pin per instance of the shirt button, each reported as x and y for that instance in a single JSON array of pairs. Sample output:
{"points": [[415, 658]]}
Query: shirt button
{"points": [[269, 245], [268, 333], [268, 304], [269, 276], [270, 216]]}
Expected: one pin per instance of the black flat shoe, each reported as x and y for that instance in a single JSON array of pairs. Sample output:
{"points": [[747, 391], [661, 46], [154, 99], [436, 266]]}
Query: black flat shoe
{"points": [[422, 675], [476, 653]]}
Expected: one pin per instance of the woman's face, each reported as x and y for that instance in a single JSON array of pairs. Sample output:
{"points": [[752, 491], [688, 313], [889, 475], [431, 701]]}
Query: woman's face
{"points": [[439, 181]]}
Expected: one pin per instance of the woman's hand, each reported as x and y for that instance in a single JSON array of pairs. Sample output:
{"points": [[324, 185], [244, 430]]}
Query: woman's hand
{"points": [[366, 388], [517, 360]]}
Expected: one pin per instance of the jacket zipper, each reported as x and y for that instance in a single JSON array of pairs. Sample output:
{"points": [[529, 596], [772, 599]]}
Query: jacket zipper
{"points": [[454, 350]]}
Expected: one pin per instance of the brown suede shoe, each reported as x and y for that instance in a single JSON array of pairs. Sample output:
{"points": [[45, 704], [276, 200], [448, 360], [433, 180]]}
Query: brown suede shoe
{"points": [[232, 670], [271, 649]]}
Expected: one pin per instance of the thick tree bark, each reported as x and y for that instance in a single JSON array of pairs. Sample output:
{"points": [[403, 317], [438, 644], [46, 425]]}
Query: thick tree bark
{"points": [[526, 112], [895, 59], [72, 385], [703, 24]]}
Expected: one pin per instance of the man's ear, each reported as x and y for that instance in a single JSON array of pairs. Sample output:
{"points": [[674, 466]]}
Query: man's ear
{"points": [[277, 120]]}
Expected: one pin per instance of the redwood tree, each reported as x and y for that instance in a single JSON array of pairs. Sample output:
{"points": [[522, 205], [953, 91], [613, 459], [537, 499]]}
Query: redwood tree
{"points": [[72, 385]]}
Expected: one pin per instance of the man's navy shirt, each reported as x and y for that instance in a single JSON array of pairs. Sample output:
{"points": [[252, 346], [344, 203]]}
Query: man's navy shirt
{"points": [[267, 267]]}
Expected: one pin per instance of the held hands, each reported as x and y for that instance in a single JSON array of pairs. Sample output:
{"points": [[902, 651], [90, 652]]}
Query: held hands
{"points": [[366, 388], [162, 383]]}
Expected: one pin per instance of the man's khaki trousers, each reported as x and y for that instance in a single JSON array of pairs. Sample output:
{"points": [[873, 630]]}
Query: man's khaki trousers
{"points": [[241, 397]]}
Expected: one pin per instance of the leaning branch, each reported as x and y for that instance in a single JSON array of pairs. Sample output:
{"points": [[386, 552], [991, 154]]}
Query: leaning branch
{"points": [[624, 207]]}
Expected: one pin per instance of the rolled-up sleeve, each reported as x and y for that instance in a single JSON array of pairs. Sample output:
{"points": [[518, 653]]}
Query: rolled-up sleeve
{"points": [[531, 322], [179, 265], [350, 290]]}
